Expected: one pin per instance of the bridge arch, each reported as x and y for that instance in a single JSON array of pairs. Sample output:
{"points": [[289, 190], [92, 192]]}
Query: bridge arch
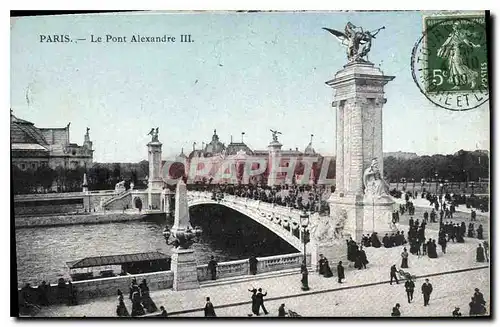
{"points": [[275, 222]]}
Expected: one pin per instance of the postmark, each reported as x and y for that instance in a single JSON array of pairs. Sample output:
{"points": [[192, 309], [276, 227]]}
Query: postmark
{"points": [[449, 62]]}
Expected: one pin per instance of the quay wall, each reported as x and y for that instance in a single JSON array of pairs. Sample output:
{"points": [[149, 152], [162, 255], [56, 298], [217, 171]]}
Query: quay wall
{"points": [[88, 218], [102, 287]]}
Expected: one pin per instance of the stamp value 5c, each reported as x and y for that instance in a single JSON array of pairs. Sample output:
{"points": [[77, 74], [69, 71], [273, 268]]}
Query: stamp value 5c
{"points": [[449, 62]]}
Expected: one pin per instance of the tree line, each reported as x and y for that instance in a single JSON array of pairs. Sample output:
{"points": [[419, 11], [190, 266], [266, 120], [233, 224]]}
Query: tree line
{"points": [[462, 166]]}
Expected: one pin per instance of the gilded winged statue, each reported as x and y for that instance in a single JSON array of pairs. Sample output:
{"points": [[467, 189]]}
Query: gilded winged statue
{"points": [[357, 41]]}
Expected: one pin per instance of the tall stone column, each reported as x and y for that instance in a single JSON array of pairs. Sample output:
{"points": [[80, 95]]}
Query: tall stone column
{"points": [[274, 162], [359, 97], [155, 180]]}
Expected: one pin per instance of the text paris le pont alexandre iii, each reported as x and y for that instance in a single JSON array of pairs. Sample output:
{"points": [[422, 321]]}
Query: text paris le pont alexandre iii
{"points": [[109, 38]]}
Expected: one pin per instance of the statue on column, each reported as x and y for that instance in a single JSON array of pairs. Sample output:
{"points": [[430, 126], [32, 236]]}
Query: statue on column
{"points": [[154, 134], [275, 135], [357, 41], [375, 186]]}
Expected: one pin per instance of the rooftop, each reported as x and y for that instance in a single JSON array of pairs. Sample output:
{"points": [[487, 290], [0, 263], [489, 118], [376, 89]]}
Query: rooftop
{"points": [[116, 259]]}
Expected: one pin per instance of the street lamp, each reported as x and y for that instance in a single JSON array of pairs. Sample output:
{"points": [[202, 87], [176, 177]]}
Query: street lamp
{"points": [[304, 222], [436, 176]]}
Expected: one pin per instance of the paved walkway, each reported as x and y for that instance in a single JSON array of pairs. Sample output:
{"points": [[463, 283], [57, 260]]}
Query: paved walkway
{"points": [[351, 297]]}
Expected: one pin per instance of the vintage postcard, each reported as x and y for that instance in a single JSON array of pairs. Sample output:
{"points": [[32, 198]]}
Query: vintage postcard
{"points": [[251, 164]]}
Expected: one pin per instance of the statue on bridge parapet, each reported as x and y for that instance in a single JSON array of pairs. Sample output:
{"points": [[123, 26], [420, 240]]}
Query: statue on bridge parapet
{"points": [[154, 134], [325, 229]]}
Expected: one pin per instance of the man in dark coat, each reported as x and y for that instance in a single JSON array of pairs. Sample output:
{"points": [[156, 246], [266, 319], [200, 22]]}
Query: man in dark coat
{"points": [[362, 257], [409, 287], [426, 216], [394, 270], [472, 215], [209, 309], [260, 300], [253, 265], [281, 310], [470, 232], [433, 216], [480, 253], [426, 291], [480, 232], [340, 272], [386, 241], [212, 267]]}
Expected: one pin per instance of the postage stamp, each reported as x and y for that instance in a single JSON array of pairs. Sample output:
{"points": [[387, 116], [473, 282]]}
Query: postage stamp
{"points": [[190, 164], [449, 62]]}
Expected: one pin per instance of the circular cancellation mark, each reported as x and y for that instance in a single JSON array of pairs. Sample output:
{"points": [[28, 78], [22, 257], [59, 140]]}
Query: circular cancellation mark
{"points": [[449, 62]]}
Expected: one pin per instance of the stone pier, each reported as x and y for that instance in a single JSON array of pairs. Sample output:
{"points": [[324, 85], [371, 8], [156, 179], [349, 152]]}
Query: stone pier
{"points": [[359, 98]]}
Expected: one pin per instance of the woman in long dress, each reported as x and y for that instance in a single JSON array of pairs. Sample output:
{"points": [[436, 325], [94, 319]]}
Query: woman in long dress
{"points": [[404, 260], [146, 299], [455, 51], [328, 271], [121, 309]]}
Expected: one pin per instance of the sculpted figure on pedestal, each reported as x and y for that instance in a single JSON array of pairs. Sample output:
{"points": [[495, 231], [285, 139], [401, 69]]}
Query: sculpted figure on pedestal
{"points": [[375, 186], [357, 41]]}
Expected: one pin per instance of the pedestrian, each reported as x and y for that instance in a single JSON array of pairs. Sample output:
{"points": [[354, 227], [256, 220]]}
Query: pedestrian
{"points": [[472, 215], [456, 312], [137, 308], [255, 303], [321, 263], [71, 294], [146, 300], [393, 274], [486, 250], [212, 267], [340, 272], [260, 300], [426, 291], [404, 258], [479, 253], [209, 309], [121, 309], [362, 257], [478, 297], [328, 272], [409, 287], [253, 264], [281, 310], [163, 312], [480, 232], [395, 311]]}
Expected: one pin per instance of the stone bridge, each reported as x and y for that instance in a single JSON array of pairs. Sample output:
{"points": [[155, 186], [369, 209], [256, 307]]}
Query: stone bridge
{"points": [[284, 222]]}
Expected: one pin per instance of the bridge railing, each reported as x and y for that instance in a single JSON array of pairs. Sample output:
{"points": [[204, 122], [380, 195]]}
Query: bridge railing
{"points": [[264, 264]]}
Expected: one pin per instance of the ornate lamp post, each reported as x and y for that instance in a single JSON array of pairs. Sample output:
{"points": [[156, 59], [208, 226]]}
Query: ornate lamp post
{"points": [[436, 176], [304, 222]]}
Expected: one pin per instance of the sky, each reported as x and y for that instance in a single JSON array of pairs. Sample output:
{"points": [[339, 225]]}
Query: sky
{"points": [[244, 72]]}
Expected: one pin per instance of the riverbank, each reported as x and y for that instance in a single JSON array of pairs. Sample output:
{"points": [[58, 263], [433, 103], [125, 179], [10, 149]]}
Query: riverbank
{"points": [[78, 219]]}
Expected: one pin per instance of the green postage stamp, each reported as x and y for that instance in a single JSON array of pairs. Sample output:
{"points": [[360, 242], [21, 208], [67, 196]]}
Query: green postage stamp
{"points": [[451, 61]]}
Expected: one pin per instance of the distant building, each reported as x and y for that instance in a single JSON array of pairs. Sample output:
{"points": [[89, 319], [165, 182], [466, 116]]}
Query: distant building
{"points": [[33, 147], [218, 152]]}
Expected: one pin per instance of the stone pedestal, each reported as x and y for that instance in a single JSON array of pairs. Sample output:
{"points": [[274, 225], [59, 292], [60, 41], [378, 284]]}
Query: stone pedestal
{"points": [[334, 251], [274, 162], [155, 180], [359, 98], [183, 266]]}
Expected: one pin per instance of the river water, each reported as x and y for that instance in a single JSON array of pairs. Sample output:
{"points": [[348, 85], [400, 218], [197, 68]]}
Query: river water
{"points": [[42, 252]]}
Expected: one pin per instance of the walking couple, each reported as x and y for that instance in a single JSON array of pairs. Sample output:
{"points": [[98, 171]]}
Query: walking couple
{"points": [[258, 301]]}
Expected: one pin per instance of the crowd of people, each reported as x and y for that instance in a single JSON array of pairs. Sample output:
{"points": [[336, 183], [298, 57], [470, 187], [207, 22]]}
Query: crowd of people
{"points": [[140, 298], [303, 197]]}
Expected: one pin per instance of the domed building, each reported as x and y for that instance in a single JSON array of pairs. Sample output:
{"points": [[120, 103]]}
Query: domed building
{"points": [[33, 147]]}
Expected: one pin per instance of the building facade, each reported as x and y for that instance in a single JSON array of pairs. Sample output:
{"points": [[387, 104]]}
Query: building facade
{"points": [[33, 147]]}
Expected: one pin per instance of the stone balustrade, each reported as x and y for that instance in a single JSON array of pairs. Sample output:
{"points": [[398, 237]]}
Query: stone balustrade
{"points": [[264, 264]]}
